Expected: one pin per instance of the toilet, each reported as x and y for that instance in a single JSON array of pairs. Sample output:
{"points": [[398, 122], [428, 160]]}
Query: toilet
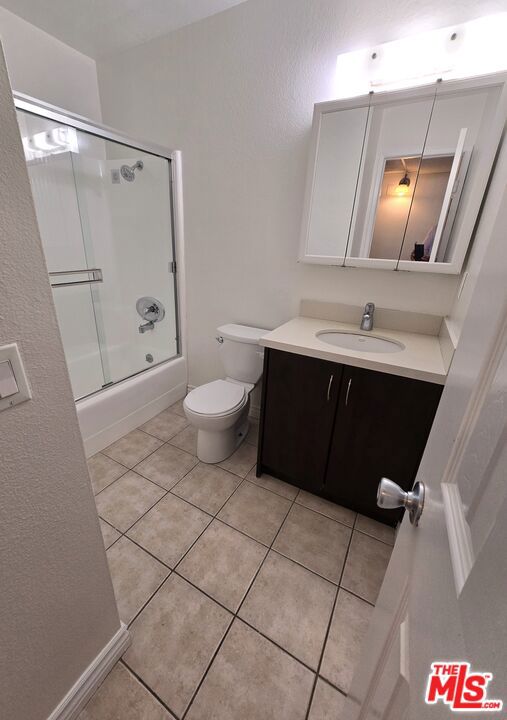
{"points": [[219, 409]]}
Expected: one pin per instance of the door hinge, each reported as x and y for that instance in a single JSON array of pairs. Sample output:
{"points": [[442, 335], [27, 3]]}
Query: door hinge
{"points": [[172, 266]]}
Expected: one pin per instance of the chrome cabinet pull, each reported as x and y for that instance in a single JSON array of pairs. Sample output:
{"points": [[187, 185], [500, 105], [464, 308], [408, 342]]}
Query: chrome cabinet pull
{"points": [[96, 277], [329, 387], [348, 391]]}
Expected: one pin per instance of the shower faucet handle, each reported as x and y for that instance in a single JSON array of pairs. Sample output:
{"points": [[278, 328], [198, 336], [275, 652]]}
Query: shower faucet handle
{"points": [[151, 309]]}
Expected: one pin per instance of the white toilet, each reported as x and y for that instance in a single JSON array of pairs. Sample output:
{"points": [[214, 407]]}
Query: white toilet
{"points": [[219, 409]]}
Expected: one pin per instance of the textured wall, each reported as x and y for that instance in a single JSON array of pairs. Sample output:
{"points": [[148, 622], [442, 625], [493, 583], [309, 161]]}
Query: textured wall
{"points": [[235, 93], [47, 69], [57, 607]]}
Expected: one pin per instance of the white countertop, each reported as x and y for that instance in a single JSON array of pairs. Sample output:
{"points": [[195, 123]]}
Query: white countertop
{"points": [[421, 359]]}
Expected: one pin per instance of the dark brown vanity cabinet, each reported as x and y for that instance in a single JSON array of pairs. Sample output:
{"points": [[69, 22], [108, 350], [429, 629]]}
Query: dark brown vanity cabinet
{"points": [[335, 430]]}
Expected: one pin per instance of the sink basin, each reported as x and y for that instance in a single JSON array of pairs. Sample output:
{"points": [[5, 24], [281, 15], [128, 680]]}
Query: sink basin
{"points": [[360, 342]]}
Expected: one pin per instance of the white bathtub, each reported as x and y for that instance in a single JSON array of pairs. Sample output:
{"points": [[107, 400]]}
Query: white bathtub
{"points": [[114, 411]]}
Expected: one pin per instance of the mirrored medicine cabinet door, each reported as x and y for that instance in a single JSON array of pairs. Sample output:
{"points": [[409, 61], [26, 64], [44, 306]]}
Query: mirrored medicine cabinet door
{"points": [[396, 180]]}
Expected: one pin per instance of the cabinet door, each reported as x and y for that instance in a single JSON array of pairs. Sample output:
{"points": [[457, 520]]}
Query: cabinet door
{"points": [[299, 402], [381, 428]]}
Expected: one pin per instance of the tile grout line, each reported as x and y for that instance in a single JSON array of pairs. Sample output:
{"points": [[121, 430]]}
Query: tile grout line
{"points": [[326, 637], [148, 688], [236, 614], [174, 571], [335, 687]]}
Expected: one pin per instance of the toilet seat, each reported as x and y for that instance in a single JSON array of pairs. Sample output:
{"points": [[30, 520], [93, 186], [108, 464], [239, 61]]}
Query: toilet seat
{"points": [[216, 399]]}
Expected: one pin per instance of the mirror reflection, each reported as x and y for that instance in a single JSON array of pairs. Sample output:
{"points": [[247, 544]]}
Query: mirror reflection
{"points": [[396, 179], [392, 155]]}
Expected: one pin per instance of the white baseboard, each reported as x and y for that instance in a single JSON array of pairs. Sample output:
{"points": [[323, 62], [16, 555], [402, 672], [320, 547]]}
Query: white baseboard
{"points": [[79, 694]]}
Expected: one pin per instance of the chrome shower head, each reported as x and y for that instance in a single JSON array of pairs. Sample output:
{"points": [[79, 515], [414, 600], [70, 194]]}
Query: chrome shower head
{"points": [[128, 171]]}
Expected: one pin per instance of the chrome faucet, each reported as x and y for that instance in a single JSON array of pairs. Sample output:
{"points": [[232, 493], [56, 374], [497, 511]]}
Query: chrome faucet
{"points": [[146, 326], [367, 321]]}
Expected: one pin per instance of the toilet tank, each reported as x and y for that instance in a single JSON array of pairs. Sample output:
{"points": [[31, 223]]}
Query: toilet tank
{"points": [[240, 352]]}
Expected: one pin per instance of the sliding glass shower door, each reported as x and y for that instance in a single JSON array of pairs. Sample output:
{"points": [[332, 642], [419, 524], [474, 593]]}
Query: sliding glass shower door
{"points": [[105, 218]]}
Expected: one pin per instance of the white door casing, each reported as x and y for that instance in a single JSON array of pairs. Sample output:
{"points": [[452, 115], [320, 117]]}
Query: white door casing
{"points": [[444, 596]]}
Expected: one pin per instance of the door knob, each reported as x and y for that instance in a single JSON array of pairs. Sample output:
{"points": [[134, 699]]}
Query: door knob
{"points": [[390, 495]]}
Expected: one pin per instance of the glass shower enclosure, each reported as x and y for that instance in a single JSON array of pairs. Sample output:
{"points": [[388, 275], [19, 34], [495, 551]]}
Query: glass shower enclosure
{"points": [[104, 209]]}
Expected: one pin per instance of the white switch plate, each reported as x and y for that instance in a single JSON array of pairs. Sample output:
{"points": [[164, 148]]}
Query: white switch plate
{"points": [[10, 353]]}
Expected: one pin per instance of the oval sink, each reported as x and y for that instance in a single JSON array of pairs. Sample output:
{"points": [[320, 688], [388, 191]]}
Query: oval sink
{"points": [[360, 342]]}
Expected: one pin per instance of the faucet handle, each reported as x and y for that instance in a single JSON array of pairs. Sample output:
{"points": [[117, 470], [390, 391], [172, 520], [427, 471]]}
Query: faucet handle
{"points": [[369, 307]]}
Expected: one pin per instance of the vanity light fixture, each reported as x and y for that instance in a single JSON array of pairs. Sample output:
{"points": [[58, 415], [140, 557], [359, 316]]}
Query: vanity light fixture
{"points": [[473, 48]]}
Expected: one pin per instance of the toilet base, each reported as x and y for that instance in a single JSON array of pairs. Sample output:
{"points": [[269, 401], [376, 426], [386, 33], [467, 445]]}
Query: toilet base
{"points": [[213, 447]]}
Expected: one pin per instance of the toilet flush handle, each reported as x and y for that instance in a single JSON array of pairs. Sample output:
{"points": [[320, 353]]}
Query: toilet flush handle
{"points": [[219, 339]]}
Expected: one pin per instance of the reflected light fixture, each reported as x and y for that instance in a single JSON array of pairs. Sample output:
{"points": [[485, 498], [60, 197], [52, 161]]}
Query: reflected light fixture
{"points": [[403, 187]]}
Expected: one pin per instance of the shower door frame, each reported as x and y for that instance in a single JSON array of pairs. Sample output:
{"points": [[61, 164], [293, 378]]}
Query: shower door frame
{"points": [[52, 112]]}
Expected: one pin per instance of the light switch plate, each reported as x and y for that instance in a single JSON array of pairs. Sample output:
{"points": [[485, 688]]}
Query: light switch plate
{"points": [[10, 353]]}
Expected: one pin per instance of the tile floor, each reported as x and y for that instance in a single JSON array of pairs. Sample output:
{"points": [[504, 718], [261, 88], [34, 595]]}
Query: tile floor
{"points": [[245, 597]]}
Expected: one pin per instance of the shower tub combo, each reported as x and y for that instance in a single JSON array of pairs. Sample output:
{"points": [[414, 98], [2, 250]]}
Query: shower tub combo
{"points": [[110, 217]]}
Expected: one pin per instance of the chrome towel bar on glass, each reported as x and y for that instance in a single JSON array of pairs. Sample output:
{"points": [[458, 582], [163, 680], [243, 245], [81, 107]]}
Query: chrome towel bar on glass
{"points": [[96, 277]]}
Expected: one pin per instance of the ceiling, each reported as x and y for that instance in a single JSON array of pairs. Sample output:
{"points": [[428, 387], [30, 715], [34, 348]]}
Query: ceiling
{"points": [[103, 27]]}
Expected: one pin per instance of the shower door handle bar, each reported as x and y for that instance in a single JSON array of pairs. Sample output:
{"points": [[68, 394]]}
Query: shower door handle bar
{"points": [[96, 277]]}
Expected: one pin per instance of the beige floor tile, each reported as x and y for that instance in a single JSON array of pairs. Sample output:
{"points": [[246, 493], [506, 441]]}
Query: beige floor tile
{"points": [[376, 529], [174, 639], [366, 565], [343, 648], [315, 541], [167, 466], [325, 507], [223, 563], [292, 606], [165, 425], [136, 576], [327, 703], [169, 529], [242, 460], [103, 471], [256, 512], [207, 486], [252, 436], [129, 497], [132, 448], [186, 440], [252, 679], [109, 534], [178, 408], [122, 697], [274, 484]]}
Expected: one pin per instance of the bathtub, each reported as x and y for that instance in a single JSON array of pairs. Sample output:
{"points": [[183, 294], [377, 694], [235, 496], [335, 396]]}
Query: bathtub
{"points": [[114, 411]]}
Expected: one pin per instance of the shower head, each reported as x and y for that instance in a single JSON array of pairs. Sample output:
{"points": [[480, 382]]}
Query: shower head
{"points": [[128, 171]]}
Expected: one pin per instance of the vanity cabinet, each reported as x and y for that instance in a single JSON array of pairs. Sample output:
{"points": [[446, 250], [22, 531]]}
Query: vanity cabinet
{"points": [[300, 397], [335, 430]]}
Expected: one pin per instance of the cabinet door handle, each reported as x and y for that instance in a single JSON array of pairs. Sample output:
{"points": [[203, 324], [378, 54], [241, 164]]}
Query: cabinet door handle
{"points": [[348, 391], [329, 387]]}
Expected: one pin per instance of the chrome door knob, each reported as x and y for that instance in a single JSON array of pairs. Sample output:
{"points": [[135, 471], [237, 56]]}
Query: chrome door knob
{"points": [[390, 496]]}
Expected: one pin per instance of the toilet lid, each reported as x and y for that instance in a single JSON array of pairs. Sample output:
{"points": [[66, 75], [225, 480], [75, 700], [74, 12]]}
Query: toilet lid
{"points": [[219, 397]]}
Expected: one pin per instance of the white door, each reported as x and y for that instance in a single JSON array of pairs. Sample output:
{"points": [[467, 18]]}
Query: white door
{"points": [[444, 596]]}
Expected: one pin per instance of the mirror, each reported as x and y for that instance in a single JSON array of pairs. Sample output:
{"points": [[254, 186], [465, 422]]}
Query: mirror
{"points": [[341, 138], [396, 180]]}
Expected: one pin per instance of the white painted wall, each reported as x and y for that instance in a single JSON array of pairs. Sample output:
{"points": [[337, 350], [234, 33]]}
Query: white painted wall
{"points": [[235, 93], [57, 607], [46, 68]]}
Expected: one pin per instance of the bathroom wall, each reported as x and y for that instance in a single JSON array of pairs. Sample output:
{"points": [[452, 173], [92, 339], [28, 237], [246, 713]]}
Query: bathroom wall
{"points": [[46, 68], [235, 93], [57, 607]]}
